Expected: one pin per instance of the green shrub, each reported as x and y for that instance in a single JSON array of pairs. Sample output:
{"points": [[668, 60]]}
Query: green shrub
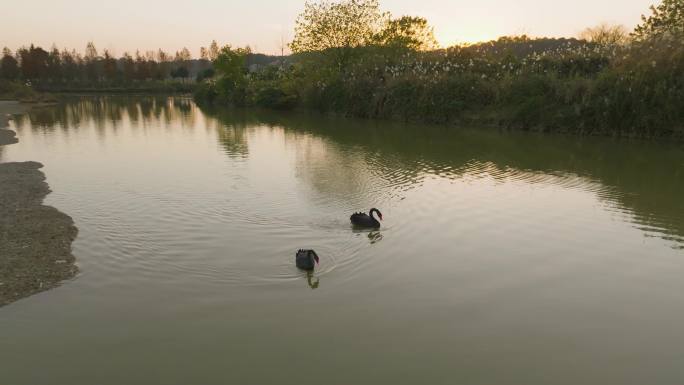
{"points": [[274, 97], [573, 86]]}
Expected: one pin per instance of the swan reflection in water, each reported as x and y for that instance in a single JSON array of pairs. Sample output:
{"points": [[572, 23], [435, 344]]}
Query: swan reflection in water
{"points": [[374, 237], [309, 280]]}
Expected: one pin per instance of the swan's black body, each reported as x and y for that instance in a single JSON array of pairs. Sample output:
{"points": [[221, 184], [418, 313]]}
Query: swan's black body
{"points": [[306, 259], [366, 220]]}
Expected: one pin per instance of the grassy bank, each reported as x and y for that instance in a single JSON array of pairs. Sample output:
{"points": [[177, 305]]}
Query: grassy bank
{"points": [[168, 87], [20, 92], [47, 93], [575, 86], [611, 83]]}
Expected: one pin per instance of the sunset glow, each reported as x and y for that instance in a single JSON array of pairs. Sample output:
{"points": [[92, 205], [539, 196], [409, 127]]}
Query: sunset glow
{"points": [[262, 24]]}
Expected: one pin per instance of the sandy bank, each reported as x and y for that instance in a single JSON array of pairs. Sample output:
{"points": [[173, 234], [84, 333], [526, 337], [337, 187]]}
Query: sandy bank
{"points": [[35, 240]]}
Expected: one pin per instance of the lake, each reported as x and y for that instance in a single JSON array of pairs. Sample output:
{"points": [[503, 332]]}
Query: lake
{"points": [[503, 258]]}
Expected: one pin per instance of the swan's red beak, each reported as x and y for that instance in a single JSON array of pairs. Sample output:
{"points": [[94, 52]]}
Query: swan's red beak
{"points": [[316, 259], [380, 215]]}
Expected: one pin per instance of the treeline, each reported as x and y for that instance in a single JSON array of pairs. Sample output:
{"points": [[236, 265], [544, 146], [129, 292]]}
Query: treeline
{"points": [[353, 59], [56, 69]]}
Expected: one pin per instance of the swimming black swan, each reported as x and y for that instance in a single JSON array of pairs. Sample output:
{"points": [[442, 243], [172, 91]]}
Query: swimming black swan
{"points": [[365, 220], [306, 259]]}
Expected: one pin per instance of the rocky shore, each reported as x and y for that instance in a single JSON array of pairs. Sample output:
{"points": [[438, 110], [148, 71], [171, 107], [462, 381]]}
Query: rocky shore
{"points": [[35, 240]]}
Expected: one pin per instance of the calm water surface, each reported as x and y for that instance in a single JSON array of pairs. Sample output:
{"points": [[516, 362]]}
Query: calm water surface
{"points": [[503, 258]]}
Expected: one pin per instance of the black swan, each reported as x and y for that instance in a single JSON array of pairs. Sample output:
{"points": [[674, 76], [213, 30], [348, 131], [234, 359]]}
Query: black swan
{"points": [[366, 220], [306, 259]]}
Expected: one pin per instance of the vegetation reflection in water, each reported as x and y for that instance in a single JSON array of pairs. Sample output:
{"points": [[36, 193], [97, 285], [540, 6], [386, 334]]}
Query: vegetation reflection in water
{"points": [[537, 256], [645, 179]]}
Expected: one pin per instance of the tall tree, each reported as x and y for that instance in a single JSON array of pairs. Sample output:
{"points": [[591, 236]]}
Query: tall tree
{"points": [[345, 24], [110, 70], [213, 50], [128, 67], [282, 44], [180, 72], [71, 61], [231, 65], [93, 70], [142, 69], [335, 29], [163, 56], [162, 67], [33, 62], [407, 32], [666, 20], [9, 67], [606, 35], [91, 51], [185, 54], [54, 64]]}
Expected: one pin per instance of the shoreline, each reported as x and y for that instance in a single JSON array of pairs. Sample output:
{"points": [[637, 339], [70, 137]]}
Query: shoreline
{"points": [[7, 136], [35, 240], [8, 108]]}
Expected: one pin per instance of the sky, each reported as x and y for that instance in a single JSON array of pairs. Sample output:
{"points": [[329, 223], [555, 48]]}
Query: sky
{"points": [[127, 25]]}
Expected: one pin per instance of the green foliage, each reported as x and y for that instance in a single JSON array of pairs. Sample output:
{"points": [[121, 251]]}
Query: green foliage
{"points": [[205, 93], [65, 71], [34, 62], [9, 67], [206, 74], [346, 24], [337, 30], [180, 72], [666, 20], [12, 90], [232, 63], [333, 30], [276, 98], [602, 84], [530, 84], [408, 32], [231, 68]]}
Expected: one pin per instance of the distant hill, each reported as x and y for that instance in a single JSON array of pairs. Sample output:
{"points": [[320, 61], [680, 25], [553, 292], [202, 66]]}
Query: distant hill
{"points": [[522, 46]]}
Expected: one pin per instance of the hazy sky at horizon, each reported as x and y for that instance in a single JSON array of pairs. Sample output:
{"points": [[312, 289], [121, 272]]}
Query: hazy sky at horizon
{"points": [[127, 25]]}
